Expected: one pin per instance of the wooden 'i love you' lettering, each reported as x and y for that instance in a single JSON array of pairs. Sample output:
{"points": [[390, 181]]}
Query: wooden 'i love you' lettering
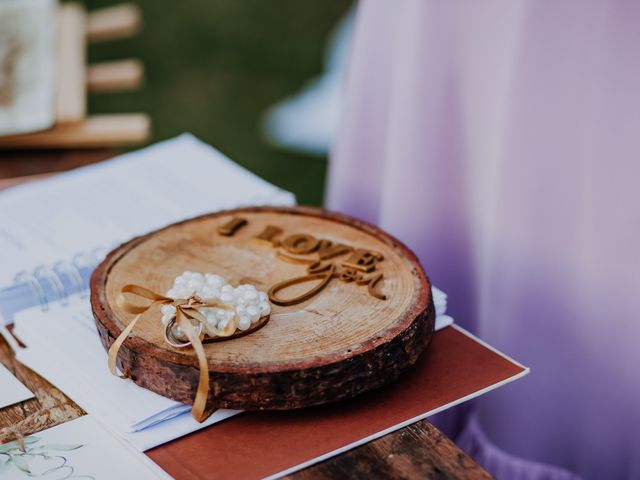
{"points": [[357, 265]]}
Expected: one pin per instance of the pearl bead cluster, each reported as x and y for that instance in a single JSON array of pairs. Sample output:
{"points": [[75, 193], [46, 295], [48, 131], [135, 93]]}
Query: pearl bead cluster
{"points": [[248, 304]]}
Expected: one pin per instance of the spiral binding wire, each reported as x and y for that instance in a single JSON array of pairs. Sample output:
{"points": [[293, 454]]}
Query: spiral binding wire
{"points": [[54, 277], [73, 274], [44, 273], [80, 261], [31, 280]]}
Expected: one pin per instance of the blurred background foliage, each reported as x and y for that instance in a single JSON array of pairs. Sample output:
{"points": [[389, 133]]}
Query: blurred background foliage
{"points": [[213, 67]]}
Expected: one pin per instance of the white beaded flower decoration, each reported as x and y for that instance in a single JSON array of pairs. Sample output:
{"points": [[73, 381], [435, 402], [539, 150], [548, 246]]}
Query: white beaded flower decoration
{"points": [[247, 304]]}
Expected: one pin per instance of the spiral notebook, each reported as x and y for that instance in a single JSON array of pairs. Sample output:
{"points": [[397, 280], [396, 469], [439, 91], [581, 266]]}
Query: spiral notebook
{"points": [[54, 232]]}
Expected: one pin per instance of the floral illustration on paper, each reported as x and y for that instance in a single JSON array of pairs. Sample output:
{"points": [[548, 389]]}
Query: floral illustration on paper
{"points": [[35, 460]]}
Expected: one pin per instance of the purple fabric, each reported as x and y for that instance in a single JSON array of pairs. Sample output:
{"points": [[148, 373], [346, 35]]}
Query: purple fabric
{"points": [[502, 465], [501, 141]]}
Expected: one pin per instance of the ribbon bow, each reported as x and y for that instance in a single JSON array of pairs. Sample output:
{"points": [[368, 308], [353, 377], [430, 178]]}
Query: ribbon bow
{"points": [[187, 309]]}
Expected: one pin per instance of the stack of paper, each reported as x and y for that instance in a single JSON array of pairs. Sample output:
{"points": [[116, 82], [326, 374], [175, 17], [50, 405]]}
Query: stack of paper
{"points": [[64, 347], [99, 206], [92, 209]]}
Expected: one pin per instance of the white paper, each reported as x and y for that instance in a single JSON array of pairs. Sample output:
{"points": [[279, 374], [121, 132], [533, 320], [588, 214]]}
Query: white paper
{"points": [[439, 300], [63, 346], [81, 448], [443, 321], [101, 205], [12, 390]]}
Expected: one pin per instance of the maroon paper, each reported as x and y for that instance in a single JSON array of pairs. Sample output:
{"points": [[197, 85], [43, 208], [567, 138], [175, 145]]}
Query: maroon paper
{"points": [[259, 444]]}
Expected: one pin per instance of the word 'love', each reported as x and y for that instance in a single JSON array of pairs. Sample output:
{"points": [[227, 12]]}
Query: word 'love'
{"points": [[358, 266]]}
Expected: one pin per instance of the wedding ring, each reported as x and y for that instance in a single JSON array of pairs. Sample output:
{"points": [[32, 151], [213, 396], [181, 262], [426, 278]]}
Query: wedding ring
{"points": [[171, 338]]}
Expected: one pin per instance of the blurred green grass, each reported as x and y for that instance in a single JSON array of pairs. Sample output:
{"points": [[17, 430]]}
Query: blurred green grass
{"points": [[213, 67]]}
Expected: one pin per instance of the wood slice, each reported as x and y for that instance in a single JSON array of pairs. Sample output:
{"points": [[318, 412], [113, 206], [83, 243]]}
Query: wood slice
{"points": [[338, 343]]}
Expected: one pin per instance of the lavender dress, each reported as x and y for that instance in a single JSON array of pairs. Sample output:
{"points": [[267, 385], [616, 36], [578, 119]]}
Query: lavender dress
{"points": [[501, 141]]}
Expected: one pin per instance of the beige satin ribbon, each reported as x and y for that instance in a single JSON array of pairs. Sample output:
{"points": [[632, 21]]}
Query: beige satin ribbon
{"points": [[186, 310]]}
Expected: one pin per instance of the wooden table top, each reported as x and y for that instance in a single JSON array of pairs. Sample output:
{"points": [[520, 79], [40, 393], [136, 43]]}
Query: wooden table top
{"points": [[417, 451]]}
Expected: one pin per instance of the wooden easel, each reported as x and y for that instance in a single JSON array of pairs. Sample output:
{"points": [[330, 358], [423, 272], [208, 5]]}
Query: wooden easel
{"points": [[74, 128]]}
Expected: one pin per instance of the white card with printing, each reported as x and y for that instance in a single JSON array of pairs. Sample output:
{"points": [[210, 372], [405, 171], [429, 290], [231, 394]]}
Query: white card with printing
{"points": [[12, 390], [81, 448]]}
